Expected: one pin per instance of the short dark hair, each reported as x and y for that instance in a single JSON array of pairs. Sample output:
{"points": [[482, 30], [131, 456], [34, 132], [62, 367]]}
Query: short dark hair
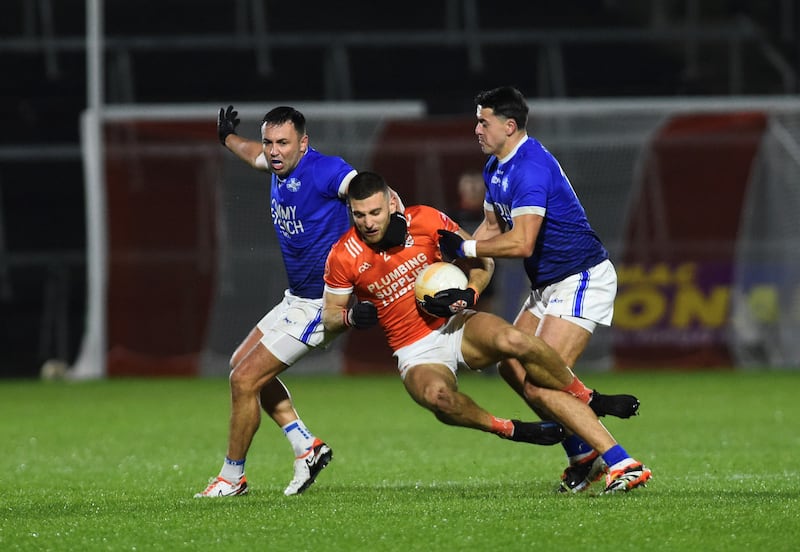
{"points": [[284, 114], [505, 101], [366, 184]]}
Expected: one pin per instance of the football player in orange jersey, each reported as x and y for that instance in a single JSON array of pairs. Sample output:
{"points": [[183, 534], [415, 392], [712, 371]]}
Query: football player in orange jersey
{"points": [[377, 261]]}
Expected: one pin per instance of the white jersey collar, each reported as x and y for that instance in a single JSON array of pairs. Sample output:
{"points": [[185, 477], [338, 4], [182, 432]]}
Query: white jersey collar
{"points": [[513, 152]]}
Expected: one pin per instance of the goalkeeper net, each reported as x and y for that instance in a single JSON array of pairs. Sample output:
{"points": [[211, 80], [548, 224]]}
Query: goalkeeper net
{"points": [[765, 318], [696, 201]]}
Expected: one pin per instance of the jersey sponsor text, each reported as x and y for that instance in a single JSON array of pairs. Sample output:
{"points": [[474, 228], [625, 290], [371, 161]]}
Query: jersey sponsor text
{"points": [[285, 218]]}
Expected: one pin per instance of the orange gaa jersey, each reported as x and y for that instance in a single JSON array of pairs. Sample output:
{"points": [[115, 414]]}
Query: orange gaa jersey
{"points": [[387, 279]]}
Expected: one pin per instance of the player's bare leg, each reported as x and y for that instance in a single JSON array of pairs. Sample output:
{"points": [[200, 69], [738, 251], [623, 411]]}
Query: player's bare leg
{"points": [[569, 345], [489, 339], [275, 398], [486, 339], [254, 385], [249, 376], [569, 340], [434, 387]]}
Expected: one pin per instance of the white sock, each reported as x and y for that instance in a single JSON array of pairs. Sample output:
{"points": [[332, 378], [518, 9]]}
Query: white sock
{"points": [[622, 464], [232, 470], [299, 436]]}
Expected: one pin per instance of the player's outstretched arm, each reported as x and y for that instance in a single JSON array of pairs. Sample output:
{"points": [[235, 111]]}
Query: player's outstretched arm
{"points": [[249, 151]]}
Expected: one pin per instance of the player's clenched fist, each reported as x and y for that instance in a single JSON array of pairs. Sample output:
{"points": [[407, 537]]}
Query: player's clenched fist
{"points": [[361, 316]]}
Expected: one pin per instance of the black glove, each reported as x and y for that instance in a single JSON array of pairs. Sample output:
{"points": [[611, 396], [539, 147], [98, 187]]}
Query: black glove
{"points": [[449, 301], [451, 245], [362, 315], [227, 123]]}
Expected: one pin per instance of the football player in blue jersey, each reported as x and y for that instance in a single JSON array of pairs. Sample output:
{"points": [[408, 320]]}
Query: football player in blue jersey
{"points": [[307, 190], [532, 212]]}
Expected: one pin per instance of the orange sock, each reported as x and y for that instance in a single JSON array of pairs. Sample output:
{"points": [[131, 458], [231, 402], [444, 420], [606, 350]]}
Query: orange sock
{"points": [[578, 389], [502, 427]]}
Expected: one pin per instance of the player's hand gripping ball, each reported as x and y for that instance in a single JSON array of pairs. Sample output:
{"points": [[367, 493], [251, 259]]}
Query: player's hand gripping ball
{"points": [[441, 290]]}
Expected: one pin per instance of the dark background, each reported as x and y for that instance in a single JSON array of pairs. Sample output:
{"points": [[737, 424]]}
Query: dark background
{"points": [[209, 51]]}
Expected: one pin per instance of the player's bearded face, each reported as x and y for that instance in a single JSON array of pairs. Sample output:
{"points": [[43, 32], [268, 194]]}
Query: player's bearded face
{"points": [[283, 147], [371, 216]]}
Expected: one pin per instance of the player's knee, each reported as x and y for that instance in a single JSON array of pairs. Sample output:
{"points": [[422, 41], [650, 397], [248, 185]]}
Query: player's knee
{"points": [[236, 380], [438, 398], [532, 393], [513, 343], [244, 378]]}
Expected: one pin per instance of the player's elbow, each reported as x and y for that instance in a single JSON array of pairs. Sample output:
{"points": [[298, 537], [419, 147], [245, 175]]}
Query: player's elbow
{"points": [[259, 162], [522, 250], [519, 243]]}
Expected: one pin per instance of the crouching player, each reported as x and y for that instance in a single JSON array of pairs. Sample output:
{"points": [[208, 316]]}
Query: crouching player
{"points": [[377, 261]]}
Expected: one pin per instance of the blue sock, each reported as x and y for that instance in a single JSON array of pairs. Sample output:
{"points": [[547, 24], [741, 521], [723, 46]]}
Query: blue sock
{"points": [[575, 446], [615, 454]]}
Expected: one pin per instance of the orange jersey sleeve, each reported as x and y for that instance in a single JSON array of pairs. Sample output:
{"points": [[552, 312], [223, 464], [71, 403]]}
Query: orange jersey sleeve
{"points": [[387, 278]]}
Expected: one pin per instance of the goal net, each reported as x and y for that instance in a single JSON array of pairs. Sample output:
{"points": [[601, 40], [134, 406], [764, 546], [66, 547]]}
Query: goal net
{"points": [[696, 201]]}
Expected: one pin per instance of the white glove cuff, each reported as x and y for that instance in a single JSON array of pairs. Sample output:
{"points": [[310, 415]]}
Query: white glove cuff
{"points": [[470, 247]]}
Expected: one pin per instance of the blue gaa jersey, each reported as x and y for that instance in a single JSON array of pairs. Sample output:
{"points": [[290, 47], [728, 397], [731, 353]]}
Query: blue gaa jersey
{"points": [[530, 181], [309, 216]]}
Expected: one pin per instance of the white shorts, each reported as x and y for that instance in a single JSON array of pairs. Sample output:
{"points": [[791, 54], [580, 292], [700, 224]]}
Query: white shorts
{"points": [[586, 298], [294, 327], [441, 346]]}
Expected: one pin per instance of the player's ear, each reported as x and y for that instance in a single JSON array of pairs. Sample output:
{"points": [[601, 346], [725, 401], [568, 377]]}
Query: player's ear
{"points": [[511, 127]]}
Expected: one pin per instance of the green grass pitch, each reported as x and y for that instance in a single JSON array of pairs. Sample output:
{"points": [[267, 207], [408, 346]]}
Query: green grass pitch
{"points": [[113, 465]]}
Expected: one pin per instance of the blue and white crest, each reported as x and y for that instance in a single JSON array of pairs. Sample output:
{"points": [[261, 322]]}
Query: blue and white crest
{"points": [[292, 184]]}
